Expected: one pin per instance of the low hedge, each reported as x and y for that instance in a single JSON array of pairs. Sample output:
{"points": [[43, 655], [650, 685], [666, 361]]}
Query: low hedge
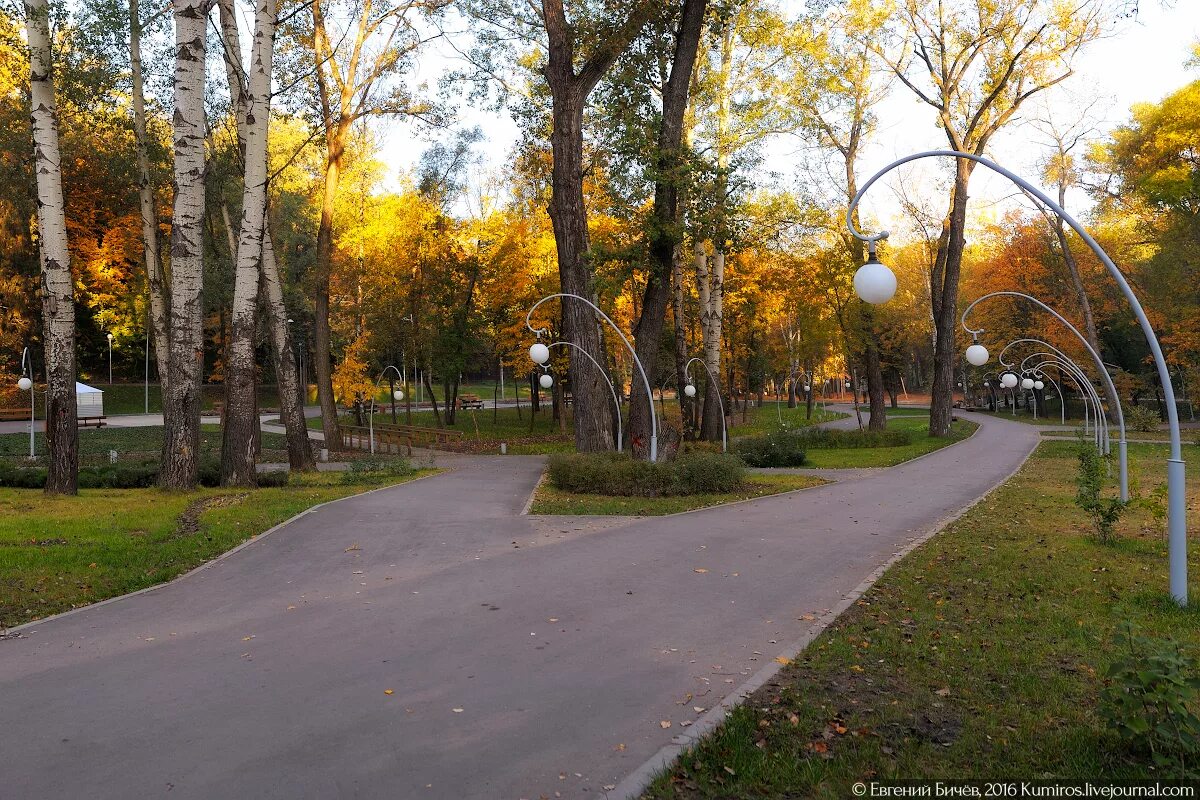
{"points": [[122, 475], [780, 448], [617, 474], [833, 438]]}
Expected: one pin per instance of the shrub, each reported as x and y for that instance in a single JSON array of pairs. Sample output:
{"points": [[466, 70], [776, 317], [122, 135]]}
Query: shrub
{"points": [[779, 448], [1150, 699], [369, 469], [617, 474], [122, 475], [1104, 511], [817, 438], [19, 477], [1141, 418]]}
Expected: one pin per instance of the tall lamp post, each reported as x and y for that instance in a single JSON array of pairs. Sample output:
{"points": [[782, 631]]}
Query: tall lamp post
{"points": [[690, 391], [875, 283], [541, 354], [397, 394], [25, 384], [611, 387], [110, 338]]}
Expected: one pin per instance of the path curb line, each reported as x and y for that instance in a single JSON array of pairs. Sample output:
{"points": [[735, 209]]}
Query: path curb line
{"points": [[215, 560], [634, 784]]}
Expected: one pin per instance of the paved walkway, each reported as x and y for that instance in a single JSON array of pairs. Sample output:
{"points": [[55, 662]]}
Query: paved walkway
{"points": [[525, 656]]}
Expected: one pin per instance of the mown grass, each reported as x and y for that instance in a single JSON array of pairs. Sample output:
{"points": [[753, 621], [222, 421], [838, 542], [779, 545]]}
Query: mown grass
{"points": [[135, 443], [979, 655], [58, 553], [549, 500], [922, 444]]}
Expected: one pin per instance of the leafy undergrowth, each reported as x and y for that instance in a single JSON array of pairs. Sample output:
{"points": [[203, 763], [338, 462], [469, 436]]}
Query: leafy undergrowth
{"points": [[548, 500], [57, 553], [982, 654]]}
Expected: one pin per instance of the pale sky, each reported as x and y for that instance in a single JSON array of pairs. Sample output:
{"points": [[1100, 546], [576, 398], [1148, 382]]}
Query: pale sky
{"points": [[1142, 62]]}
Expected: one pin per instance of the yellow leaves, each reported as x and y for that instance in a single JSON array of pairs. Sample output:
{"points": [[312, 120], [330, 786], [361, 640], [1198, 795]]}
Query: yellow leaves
{"points": [[389, 691], [783, 660], [700, 570], [664, 724]]}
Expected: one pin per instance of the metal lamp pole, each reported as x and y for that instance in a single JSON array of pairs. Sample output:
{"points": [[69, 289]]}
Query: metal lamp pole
{"points": [[1176, 469], [110, 338], [645, 381], [611, 387], [1081, 378], [26, 384], [720, 403], [371, 416]]}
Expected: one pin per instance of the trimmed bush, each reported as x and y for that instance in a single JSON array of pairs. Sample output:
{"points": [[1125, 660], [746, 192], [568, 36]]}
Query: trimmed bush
{"points": [[1141, 418], [122, 475], [617, 474], [367, 469], [779, 448], [833, 438]]}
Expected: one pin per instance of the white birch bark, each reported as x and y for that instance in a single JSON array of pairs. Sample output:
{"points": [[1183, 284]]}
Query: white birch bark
{"points": [[181, 406], [237, 451], [58, 308], [157, 312]]}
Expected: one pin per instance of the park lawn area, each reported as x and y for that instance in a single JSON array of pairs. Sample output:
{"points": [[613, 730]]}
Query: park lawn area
{"points": [[922, 443], [765, 418], [979, 655], [58, 553], [1189, 436], [549, 500], [143, 443]]}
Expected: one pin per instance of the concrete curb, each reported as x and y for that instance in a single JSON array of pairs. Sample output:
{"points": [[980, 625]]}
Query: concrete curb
{"points": [[212, 562], [637, 781]]}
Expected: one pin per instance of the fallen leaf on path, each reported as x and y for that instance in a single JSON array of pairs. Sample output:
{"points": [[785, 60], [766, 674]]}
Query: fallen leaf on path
{"points": [[783, 660], [457, 710], [807, 617], [666, 723], [388, 691], [698, 709], [701, 570], [352, 547], [247, 638], [620, 748]]}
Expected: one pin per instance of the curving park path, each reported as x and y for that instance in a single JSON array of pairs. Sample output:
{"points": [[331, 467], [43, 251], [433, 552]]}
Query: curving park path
{"points": [[429, 641]]}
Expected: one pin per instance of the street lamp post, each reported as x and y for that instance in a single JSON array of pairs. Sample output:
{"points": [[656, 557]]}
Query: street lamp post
{"points": [[690, 391], [611, 387], [397, 394], [110, 338], [544, 351], [879, 286], [25, 384], [1086, 386]]}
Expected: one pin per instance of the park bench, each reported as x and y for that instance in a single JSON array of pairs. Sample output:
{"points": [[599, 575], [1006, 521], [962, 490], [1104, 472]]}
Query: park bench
{"points": [[13, 414], [358, 437], [91, 422], [469, 401]]}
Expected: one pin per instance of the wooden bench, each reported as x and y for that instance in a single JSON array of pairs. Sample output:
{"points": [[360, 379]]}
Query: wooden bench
{"points": [[91, 422], [358, 437], [469, 401], [13, 414]]}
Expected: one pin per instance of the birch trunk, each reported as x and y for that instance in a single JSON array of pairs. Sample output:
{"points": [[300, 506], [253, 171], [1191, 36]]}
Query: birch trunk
{"points": [[150, 247], [58, 308], [237, 447], [181, 405], [300, 455]]}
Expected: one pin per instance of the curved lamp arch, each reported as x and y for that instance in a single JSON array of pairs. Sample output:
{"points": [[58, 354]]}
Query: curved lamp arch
{"points": [[371, 416], [720, 402], [611, 388], [1101, 416], [1176, 469], [645, 381]]}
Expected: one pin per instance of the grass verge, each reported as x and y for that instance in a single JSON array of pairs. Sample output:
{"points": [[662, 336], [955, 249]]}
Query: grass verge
{"points": [[58, 553], [923, 443], [979, 655], [548, 500], [132, 444]]}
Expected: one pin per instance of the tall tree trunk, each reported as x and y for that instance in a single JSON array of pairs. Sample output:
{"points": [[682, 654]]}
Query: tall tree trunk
{"points": [[944, 294], [58, 306], [665, 231], [710, 273], [323, 356], [237, 452], [878, 420], [181, 406], [158, 309], [300, 455]]}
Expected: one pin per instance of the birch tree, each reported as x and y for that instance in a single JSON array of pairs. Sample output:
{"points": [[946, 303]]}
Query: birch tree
{"points": [[58, 308], [237, 451], [181, 403]]}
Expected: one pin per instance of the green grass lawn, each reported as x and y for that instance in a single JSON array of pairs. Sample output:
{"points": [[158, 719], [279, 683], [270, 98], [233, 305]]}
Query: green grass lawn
{"points": [[136, 444], [549, 500], [980, 655], [57, 553], [922, 443]]}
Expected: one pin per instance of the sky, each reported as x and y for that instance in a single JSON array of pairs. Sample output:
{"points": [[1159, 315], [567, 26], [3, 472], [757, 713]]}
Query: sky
{"points": [[1142, 62]]}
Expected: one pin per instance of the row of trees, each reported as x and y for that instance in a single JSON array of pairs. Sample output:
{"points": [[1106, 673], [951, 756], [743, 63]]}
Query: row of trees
{"points": [[638, 183]]}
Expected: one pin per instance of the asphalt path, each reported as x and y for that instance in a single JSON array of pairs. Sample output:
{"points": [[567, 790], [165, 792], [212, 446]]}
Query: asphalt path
{"points": [[430, 641]]}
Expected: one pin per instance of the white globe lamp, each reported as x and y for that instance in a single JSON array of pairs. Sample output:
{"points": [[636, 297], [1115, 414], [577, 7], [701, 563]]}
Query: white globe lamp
{"points": [[689, 390], [539, 353], [1008, 380], [546, 381], [398, 394], [1039, 385], [807, 388], [1027, 383], [977, 355], [874, 282], [24, 384]]}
